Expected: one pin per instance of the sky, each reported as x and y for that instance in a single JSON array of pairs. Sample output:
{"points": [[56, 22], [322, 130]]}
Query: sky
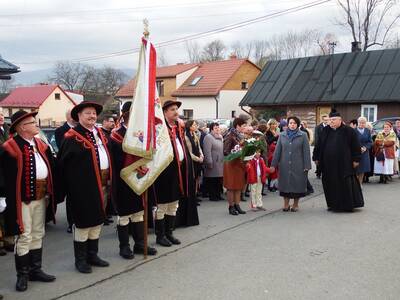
{"points": [[37, 33]]}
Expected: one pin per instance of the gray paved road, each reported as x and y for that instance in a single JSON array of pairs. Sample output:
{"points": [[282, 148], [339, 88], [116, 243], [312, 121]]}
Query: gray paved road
{"points": [[312, 254]]}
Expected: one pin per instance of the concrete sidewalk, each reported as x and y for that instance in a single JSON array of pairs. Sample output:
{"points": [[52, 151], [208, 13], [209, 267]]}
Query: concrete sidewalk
{"points": [[311, 254]]}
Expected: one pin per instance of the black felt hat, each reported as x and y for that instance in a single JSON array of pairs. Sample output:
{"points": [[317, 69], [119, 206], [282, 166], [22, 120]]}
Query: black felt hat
{"points": [[334, 113], [126, 107], [17, 117], [169, 103], [78, 108]]}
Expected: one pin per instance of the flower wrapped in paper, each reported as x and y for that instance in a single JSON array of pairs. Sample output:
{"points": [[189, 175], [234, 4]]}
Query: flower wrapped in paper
{"points": [[246, 150]]}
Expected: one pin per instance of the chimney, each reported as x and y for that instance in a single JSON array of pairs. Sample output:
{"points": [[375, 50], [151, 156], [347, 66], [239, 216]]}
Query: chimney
{"points": [[355, 46], [233, 56]]}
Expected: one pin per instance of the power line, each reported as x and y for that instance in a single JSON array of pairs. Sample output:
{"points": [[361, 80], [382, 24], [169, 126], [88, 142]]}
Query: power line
{"points": [[195, 36]]}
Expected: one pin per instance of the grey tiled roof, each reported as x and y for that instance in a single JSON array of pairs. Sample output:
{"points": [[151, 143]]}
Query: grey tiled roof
{"points": [[372, 76], [7, 67]]}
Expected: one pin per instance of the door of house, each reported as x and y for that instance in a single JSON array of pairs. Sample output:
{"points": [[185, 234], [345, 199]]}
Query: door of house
{"points": [[322, 110]]}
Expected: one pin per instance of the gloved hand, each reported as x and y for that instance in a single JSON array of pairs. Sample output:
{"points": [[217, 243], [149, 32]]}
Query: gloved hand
{"points": [[3, 204]]}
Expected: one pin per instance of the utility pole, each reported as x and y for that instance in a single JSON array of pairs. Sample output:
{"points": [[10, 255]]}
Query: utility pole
{"points": [[332, 46]]}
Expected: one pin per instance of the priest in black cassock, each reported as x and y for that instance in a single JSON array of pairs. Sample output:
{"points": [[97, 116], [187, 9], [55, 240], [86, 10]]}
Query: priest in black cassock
{"points": [[338, 153]]}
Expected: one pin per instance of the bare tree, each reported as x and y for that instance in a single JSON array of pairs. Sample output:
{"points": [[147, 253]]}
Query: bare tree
{"points": [[87, 79], [323, 43], [193, 51], [161, 58], [69, 75], [213, 51], [241, 50], [370, 21]]}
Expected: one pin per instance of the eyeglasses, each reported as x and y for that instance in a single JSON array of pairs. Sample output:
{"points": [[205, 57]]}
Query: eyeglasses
{"points": [[29, 123]]}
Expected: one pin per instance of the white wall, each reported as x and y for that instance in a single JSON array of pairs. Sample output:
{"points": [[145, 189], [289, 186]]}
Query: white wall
{"points": [[203, 107], [181, 78], [228, 102]]}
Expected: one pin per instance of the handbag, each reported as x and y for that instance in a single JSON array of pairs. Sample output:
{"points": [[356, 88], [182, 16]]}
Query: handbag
{"points": [[380, 156]]}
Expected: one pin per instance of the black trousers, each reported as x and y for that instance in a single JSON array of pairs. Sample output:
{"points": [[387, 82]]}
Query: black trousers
{"points": [[214, 187], [69, 213]]}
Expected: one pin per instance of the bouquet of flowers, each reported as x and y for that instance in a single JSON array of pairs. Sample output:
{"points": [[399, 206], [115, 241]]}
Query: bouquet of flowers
{"points": [[246, 150]]}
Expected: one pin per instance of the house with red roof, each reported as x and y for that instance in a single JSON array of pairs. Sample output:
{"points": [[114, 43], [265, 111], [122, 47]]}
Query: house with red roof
{"points": [[168, 79], [215, 89], [50, 101], [206, 90]]}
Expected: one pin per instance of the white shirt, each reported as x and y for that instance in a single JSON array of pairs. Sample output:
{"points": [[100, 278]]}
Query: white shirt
{"points": [[41, 169], [104, 163], [258, 167], [180, 150]]}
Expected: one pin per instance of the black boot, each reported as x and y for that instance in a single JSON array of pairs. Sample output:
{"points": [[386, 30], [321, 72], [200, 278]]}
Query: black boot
{"points": [[239, 210], [381, 179], [160, 234], [169, 228], [138, 237], [36, 273], [80, 251], [232, 211], [22, 267], [123, 237], [92, 257]]}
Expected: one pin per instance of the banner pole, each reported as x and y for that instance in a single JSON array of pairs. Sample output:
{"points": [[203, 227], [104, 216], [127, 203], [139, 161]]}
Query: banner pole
{"points": [[145, 233]]}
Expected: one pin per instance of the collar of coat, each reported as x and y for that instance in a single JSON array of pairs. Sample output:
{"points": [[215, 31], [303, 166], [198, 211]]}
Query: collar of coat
{"points": [[297, 134]]}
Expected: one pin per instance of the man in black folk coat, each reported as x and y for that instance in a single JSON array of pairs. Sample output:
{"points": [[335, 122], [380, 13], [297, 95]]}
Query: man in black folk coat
{"points": [[172, 186], [29, 190], [59, 136], [129, 205], [338, 153], [317, 135], [85, 166]]}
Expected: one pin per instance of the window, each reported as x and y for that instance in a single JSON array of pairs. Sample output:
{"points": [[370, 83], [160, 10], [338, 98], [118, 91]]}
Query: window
{"points": [[10, 112], [233, 114], [245, 86], [188, 114], [160, 87], [196, 81], [370, 112], [57, 96]]}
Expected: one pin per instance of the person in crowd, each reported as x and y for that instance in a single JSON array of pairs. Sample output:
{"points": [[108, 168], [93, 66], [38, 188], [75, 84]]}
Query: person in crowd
{"points": [[308, 131], [283, 125], [213, 150], [29, 193], [246, 118], [224, 129], [59, 136], [108, 125], [256, 177], [365, 139], [234, 171], [384, 148], [317, 134], [195, 150], [247, 134], [254, 124], [371, 155], [174, 187], [262, 128], [292, 156], [5, 242], [202, 127], [203, 131], [272, 136], [339, 152], [85, 166], [353, 123], [128, 204]]}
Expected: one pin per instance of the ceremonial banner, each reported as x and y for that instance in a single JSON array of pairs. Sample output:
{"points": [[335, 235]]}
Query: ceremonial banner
{"points": [[147, 138]]}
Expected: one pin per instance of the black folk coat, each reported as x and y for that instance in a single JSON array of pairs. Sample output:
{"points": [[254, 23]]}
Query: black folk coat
{"points": [[12, 162], [81, 178]]}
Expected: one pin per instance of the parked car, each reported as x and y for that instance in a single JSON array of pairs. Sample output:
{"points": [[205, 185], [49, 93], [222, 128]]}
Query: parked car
{"points": [[47, 134], [225, 122], [377, 126]]}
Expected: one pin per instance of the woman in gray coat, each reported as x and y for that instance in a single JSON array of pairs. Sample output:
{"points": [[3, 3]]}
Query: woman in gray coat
{"points": [[213, 151], [292, 158]]}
